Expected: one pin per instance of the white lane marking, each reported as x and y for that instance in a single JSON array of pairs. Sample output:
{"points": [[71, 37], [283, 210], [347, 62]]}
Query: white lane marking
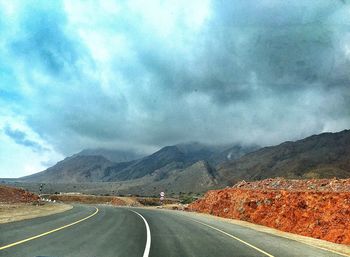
{"points": [[148, 241], [308, 244], [234, 237]]}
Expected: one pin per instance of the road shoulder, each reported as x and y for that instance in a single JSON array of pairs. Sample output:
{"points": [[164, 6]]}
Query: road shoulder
{"points": [[322, 244], [17, 212]]}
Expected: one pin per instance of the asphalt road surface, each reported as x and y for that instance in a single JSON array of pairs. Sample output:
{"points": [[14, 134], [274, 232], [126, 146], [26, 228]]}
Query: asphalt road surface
{"points": [[104, 231]]}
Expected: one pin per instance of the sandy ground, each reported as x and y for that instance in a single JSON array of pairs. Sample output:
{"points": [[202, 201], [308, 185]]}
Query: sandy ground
{"points": [[22, 211], [337, 248]]}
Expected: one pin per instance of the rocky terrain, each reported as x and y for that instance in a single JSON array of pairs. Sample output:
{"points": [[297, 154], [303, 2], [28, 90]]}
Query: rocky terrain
{"points": [[16, 195], [174, 169], [195, 167], [319, 156], [318, 185], [315, 208]]}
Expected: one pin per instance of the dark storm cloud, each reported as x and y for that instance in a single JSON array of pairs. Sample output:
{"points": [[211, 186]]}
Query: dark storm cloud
{"points": [[286, 50], [245, 72]]}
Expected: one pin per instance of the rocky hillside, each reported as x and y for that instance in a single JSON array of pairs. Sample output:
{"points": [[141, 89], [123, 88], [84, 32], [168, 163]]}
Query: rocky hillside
{"points": [[180, 168], [322, 214], [196, 167], [193, 179], [167, 165], [16, 195], [320, 156], [74, 169]]}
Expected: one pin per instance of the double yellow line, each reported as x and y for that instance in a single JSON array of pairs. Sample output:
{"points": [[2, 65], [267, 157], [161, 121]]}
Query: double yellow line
{"points": [[48, 232]]}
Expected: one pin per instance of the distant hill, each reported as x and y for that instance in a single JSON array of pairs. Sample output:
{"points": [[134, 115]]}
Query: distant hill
{"points": [[320, 156], [73, 169], [196, 167], [183, 167], [168, 158], [196, 178], [215, 154], [231, 153]]}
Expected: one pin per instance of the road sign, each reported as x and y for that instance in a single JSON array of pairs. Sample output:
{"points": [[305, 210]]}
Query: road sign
{"points": [[162, 194], [161, 198]]}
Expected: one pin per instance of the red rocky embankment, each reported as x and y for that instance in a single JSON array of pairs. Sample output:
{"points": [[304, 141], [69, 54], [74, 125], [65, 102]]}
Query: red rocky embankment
{"points": [[16, 195], [315, 208]]}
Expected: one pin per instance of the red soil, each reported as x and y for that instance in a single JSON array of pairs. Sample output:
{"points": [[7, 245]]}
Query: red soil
{"points": [[322, 213], [16, 195], [118, 202], [324, 185]]}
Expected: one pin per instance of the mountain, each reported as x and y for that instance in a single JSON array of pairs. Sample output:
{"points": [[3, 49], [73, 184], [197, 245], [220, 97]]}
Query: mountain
{"points": [[319, 156], [111, 155], [73, 169], [182, 167], [231, 153], [196, 178], [196, 167], [168, 158]]}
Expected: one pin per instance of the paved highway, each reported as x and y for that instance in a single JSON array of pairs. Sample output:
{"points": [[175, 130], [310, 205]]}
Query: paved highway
{"points": [[104, 231]]}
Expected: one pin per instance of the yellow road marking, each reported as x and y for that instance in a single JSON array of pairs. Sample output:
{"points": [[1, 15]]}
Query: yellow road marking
{"points": [[48, 232], [234, 237]]}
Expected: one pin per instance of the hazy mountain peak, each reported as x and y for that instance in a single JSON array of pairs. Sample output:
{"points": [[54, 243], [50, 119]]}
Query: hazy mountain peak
{"points": [[113, 155]]}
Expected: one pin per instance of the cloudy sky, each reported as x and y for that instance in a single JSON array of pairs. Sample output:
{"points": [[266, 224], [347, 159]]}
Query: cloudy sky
{"points": [[140, 75]]}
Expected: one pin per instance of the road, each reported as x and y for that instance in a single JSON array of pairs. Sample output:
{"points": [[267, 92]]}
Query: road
{"points": [[104, 231]]}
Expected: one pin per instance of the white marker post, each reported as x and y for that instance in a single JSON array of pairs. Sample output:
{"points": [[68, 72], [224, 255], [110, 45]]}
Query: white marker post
{"points": [[162, 197]]}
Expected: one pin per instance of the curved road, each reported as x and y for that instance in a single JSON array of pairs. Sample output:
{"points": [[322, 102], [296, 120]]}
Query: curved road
{"points": [[109, 232]]}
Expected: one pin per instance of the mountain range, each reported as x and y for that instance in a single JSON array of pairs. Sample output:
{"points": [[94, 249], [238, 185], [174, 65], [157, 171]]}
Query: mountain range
{"points": [[319, 156], [196, 167]]}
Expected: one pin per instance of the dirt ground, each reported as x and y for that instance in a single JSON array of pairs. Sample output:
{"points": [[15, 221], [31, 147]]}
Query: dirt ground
{"points": [[22, 211], [114, 200], [93, 199]]}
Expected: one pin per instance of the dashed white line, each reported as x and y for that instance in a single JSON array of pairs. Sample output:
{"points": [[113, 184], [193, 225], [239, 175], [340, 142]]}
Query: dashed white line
{"points": [[148, 241]]}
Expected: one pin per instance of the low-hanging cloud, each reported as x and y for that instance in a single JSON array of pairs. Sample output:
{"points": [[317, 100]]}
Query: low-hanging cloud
{"points": [[144, 74]]}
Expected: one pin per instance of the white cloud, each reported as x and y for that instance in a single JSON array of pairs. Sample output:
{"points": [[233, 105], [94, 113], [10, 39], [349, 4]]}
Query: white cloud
{"points": [[19, 160], [166, 18]]}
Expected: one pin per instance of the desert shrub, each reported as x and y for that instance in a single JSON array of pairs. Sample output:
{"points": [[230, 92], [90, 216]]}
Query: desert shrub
{"points": [[187, 199]]}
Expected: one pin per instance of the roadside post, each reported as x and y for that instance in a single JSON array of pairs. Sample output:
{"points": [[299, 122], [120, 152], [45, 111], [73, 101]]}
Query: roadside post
{"points": [[162, 197], [41, 189]]}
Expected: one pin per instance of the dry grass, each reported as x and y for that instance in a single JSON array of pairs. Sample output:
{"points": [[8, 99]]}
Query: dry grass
{"points": [[22, 211], [154, 201], [94, 199], [79, 198], [115, 200]]}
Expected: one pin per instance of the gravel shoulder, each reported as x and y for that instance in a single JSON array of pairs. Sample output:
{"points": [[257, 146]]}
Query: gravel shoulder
{"points": [[23, 211]]}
